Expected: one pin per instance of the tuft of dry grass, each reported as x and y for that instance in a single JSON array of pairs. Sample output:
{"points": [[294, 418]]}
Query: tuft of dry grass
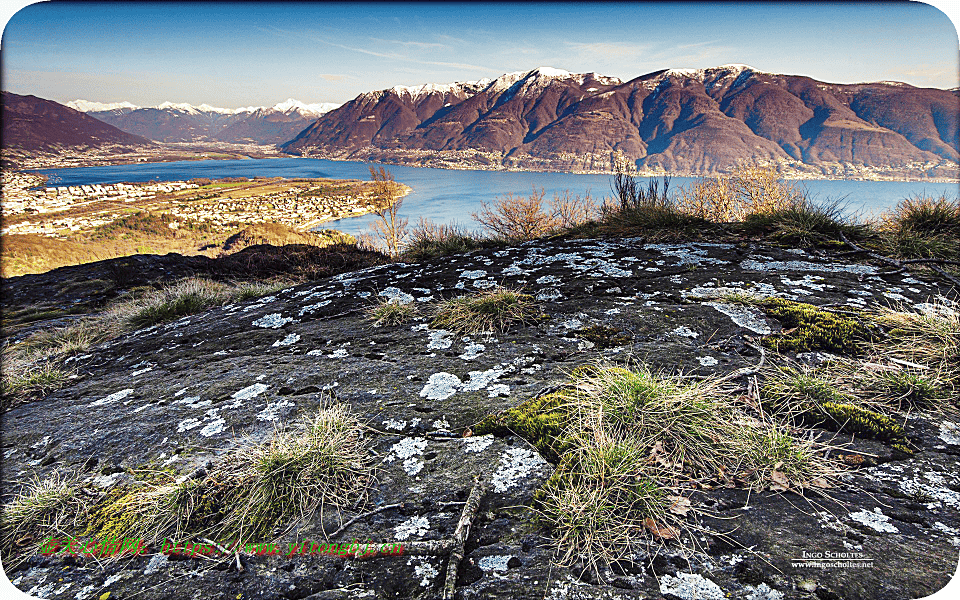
{"points": [[42, 508], [629, 441], [489, 310], [255, 490], [390, 311]]}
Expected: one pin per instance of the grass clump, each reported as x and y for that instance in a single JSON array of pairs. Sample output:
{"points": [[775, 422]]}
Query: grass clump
{"points": [[430, 240], [390, 311], [628, 441], [807, 327], [636, 210], [186, 297], [285, 480], [256, 490], [922, 227], [802, 222], [42, 508], [489, 310], [814, 400]]}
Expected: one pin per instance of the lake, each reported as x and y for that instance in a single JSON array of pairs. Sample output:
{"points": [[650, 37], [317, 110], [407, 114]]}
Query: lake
{"points": [[447, 196]]}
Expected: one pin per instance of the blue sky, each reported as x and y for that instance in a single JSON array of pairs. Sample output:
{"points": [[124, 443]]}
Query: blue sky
{"points": [[234, 55]]}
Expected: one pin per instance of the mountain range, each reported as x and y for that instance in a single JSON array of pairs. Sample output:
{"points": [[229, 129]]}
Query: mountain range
{"points": [[679, 120], [33, 125], [170, 122]]}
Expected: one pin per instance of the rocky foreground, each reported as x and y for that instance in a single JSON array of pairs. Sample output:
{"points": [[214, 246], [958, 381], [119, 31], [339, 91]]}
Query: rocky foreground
{"points": [[181, 394]]}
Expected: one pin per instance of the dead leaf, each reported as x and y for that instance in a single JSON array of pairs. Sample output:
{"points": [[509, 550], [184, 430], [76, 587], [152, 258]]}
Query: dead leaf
{"points": [[679, 505], [664, 532], [780, 481], [819, 482]]}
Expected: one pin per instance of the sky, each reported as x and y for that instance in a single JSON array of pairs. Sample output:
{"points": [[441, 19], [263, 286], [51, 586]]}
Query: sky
{"points": [[258, 54]]}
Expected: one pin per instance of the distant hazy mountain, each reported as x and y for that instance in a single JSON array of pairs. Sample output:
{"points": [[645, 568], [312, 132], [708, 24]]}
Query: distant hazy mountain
{"points": [[170, 122], [33, 124], [683, 121]]}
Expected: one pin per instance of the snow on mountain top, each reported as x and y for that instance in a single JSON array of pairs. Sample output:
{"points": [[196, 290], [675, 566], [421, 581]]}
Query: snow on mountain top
{"points": [[88, 106], [417, 91], [290, 104], [182, 106]]}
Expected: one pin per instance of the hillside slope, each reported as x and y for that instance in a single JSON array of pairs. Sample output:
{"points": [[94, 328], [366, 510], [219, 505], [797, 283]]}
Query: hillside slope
{"points": [[681, 121]]}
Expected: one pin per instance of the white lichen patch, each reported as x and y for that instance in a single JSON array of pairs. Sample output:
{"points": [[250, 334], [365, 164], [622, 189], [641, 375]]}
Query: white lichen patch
{"points": [[441, 386], [425, 571], [188, 424], [473, 274], [950, 433], [497, 562], [498, 389], [481, 379], [394, 425], [141, 371], [114, 397], [291, 339], [251, 391], [707, 361], [472, 351], [747, 317], [440, 340], [955, 533], [572, 324], [271, 412], [690, 586], [158, 561], [478, 444], [339, 353], [752, 264], [875, 520], [416, 526], [314, 307], [515, 464], [684, 331], [549, 295], [272, 321], [213, 427], [396, 295], [763, 592], [547, 279], [441, 424], [408, 450]]}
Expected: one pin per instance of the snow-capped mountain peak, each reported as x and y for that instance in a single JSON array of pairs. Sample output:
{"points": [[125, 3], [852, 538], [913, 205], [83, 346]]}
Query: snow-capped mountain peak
{"points": [[88, 106]]}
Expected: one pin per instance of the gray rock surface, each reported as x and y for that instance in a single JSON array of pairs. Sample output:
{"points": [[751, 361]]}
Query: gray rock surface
{"points": [[187, 391]]}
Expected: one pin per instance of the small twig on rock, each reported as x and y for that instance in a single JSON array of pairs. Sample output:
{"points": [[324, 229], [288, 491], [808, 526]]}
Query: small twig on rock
{"points": [[364, 516], [461, 534]]}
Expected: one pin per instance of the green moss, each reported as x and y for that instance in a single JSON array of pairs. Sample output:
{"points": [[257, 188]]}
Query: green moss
{"points": [[540, 421], [817, 402], [807, 327], [604, 337]]}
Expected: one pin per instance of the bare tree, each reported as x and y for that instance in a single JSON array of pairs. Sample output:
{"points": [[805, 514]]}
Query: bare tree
{"points": [[390, 228]]}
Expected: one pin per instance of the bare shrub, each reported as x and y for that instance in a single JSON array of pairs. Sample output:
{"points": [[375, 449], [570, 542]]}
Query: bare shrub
{"points": [[750, 189], [516, 217]]}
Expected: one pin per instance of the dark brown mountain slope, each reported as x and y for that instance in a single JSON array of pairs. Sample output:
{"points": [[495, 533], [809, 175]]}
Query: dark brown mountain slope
{"points": [[33, 124], [685, 121]]}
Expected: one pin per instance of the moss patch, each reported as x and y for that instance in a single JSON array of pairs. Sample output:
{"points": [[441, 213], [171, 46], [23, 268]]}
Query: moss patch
{"points": [[807, 327], [540, 421]]}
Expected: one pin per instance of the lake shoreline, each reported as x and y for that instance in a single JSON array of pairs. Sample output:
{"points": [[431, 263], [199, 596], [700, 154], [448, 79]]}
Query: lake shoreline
{"points": [[792, 176]]}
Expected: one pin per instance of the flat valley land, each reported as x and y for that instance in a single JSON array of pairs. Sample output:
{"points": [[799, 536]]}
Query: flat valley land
{"points": [[44, 228]]}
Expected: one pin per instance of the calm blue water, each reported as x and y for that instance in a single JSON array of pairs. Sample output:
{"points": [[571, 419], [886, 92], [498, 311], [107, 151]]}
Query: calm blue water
{"points": [[447, 196]]}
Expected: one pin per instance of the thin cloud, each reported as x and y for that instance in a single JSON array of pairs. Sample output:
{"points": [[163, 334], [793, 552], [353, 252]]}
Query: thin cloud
{"points": [[413, 44], [390, 55]]}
